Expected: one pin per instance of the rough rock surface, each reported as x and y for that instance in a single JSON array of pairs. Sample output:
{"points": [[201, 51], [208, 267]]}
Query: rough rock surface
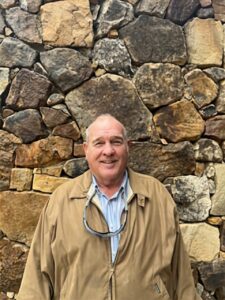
{"points": [[220, 101], [110, 94], [179, 11], [4, 79], [216, 73], [68, 130], [159, 84], [31, 6], [208, 150], [155, 8], [28, 90], [53, 117], [163, 40], [179, 121], [72, 23], [75, 167], [24, 209], [67, 68], [215, 127], [219, 9], [21, 179], [218, 200], [162, 161], [46, 183]]}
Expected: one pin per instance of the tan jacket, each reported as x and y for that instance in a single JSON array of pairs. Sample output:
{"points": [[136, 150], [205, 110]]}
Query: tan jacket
{"points": [[67, 263]]}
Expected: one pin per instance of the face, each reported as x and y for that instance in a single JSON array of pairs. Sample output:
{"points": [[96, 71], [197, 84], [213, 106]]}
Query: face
{"points": [[107, 151]]}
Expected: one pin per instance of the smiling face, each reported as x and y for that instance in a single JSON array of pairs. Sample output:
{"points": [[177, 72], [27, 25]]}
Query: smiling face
{"points": [[107, 151]]}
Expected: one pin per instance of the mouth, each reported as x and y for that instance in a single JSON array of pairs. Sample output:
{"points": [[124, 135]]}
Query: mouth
{"points": [[108, 162]]}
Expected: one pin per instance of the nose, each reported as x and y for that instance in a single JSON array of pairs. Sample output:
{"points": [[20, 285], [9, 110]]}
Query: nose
{"points": [[108, 149]]}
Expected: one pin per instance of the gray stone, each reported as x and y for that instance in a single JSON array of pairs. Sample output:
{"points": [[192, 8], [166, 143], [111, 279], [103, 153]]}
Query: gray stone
{"points": [[205, 13], [7, 3], [75, 167], [8, 144], [113, 14], [55, 99], [159, 84], [66, 67], [30, 5], [151, 39], [162, 161], [2, 23], [112, 55], [214, 128], [40, 69], [155, 8], [179, 11], [179, 121], [205, 3], [208, 111], [28, 90], [220, 101], [203, 88], [110, 94], [4, 79], [191, 193], [53, 117], [216, 73], [208, 150], [24, 209], [218, 199], [68, 130], [25, 25], [12, 262], [14, 53], [26, 124]]}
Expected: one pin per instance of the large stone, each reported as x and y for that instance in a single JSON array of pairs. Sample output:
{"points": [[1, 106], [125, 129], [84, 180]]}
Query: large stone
{"points": [[208, 150], [205, 13], [215, 127], [75, 167], [114, 14], [28, 90], [72, 23], [218, 199], [179, 121], [208, 111], [24, 209], [26, 124], [110, 94], [78, 150], [25, 25], [54, 170], [191, 193], [31, 6], [216, 73], [47, 184], [179, 11], [8, 144], [68, 68], [21, 179], [68, 130], [12, 263], [204, 90], [212, 274], [15, 53], [2, 23], [162, 161], [112, 55], [53, 117], [219, 9], [4, 79], [155, 8], [204, 42], [201, 241], [220, 101], [151, 39], [159, 84], [44, 152], [7, 3]]}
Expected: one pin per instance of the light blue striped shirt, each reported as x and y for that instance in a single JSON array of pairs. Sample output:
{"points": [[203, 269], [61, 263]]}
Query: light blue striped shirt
{"points": [[112, 209]]}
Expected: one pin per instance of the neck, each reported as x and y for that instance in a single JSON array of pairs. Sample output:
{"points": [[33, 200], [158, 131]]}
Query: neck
{"points": [[109, 188]]}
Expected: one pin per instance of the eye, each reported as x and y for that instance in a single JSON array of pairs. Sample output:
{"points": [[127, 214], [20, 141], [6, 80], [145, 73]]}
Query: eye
{"points": [[98, 143], [117, 142]]}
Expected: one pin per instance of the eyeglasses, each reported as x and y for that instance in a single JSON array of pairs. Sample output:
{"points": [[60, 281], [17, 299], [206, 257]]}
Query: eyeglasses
{"points": [[107, 234]]}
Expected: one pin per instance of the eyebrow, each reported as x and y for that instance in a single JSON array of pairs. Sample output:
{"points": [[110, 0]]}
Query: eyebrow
{"points": [[120, 137]]}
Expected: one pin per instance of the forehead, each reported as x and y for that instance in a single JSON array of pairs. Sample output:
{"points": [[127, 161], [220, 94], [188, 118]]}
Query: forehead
{"points": [[105, 127]]}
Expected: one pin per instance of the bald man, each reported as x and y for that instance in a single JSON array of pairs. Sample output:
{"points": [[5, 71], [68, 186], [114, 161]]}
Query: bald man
{"points": [[109, 234]]}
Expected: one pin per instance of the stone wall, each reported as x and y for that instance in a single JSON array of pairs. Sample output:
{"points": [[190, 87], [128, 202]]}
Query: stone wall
{"points": [[158, 67]]}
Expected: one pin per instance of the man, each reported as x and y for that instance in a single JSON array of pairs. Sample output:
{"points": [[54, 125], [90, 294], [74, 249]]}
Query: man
{"points": [[109, 234]]}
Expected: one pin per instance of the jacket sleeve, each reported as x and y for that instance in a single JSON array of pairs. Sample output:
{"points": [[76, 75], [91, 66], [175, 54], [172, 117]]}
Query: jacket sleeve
{"points": [[183, 280], [37, 282]]}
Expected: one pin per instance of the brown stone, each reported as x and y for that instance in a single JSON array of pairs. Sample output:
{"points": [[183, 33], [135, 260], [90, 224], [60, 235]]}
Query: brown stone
{"points": [[215, 127], [28, 90], [69, 130], [219, 9], [222, 236], [179, 121], [12, 262], [216, 221], [53, 117], [72, 23], [162, 161], [110, 94], [220, 101], [44, 152], [55, 170], [159, 84], [47, 184], [204, 42], [24, 209], [203, 89], [21, 179], [78, 150]]}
